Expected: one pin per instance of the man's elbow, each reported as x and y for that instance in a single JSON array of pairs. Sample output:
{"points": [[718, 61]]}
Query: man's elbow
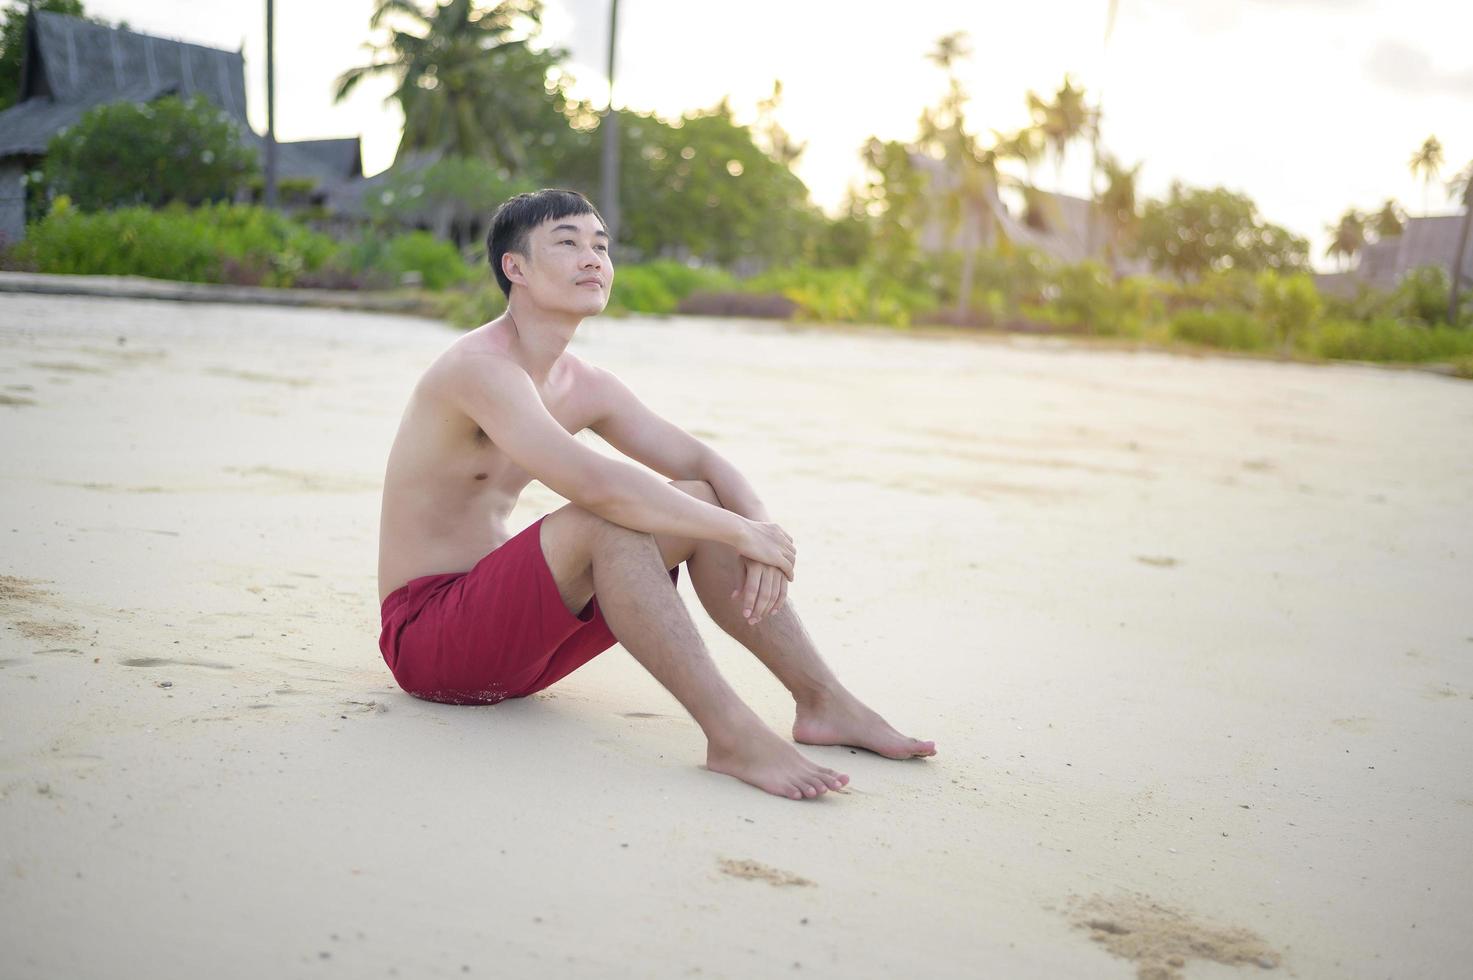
{"points": [[599, 488]]}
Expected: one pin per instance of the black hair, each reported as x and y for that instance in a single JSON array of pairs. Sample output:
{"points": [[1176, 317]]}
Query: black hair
{"points": [[517, 216]]}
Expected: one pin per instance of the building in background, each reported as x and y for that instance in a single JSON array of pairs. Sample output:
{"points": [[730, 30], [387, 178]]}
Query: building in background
{"points": [[1381, 265], [72, 65]]}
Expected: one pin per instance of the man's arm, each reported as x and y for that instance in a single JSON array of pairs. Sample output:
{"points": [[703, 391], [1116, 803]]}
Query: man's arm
{"points": [[501, 399], [631, 427]]}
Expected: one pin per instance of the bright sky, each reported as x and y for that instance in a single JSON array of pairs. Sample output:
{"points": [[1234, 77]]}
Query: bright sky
{"points": [[1308, 106]]}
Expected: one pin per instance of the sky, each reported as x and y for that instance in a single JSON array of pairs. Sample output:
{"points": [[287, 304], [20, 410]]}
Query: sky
{"points": [[1307, 106]]}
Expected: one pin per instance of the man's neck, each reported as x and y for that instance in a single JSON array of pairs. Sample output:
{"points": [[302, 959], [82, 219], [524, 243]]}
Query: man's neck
{"points": [[539, 336]]}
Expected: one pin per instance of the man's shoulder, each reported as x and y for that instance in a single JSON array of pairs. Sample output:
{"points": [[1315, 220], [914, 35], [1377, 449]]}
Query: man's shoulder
{"points": [[466, 364]]}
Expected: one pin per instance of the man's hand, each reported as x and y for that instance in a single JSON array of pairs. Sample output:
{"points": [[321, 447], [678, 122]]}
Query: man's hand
{"points": [[769, 557], [762, 591], [769, 544]]}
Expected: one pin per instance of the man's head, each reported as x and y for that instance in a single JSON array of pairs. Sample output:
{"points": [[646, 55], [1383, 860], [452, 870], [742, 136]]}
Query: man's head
{"points": [[551, 243]]}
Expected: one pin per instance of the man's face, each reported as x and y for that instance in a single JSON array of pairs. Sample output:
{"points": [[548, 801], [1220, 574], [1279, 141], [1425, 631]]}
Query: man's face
{"points": [[568, 269]]}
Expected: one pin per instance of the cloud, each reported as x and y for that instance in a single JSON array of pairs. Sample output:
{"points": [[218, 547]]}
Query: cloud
{"points": [[1403, 68]]}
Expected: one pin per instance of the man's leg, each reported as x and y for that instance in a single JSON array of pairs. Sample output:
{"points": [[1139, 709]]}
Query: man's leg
{"points": [[827, 714], [588, 555]]}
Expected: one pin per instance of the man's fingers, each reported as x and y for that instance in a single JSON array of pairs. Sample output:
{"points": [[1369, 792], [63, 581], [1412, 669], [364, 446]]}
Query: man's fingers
{"points": [[782, 595], [766, 593], [749, 592]]}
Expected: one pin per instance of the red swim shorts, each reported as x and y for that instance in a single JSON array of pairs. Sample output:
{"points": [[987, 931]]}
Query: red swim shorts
{"points": [[497, 631]]}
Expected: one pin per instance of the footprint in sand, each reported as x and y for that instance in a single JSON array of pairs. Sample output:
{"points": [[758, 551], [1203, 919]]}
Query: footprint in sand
{"points": [[258, 376], [33, 629], [1160, 940], [167, 661], [757, 871], [70, 367], [1159, 561], [15, 400], [303, 480], [16, 594]]}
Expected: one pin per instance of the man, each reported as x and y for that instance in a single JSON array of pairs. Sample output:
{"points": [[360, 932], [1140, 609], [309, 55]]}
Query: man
{"points": [[472, 614]]}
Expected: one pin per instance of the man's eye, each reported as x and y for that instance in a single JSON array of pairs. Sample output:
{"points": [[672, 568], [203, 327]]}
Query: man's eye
{"points": [[567, 241], [604, 247]]}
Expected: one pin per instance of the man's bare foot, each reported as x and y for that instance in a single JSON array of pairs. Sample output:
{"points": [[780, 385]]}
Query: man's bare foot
{"points": [[762, 757], [841, 719]]}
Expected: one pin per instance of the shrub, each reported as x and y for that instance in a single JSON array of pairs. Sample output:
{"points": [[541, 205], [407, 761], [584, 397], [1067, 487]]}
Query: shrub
{"points": [[1087, 298], [638, 289], [1423, 294], [214, 243], [771, 306], [124, 154], [854, 295], [1387, 340], [416, 258], [1289, 304], [469, 307], [1229, 329]]}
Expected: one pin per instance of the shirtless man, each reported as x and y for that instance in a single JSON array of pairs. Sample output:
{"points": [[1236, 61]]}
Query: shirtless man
{"points": [[473, 614]]}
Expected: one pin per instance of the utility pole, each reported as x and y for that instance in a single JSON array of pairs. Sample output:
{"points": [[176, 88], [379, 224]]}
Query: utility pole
{"points": [[609, 193], [270, 104]]}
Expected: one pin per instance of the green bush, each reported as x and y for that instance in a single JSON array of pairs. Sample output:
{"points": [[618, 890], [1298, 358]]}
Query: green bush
{"points": [[215, 243], [1288, 303], [1229, 329], [469, 307], [638, 289], [854, 295], [1386, 340], [659, 286], [1423, 294], [1086, 297], [414, 258], [124, 154]]}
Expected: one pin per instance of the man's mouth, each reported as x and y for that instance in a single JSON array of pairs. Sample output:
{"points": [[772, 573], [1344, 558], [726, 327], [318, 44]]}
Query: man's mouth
{"points": [[591, 282]]}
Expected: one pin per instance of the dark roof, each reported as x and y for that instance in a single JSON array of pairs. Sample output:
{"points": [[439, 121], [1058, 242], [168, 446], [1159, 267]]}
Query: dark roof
{"points": [[333, 159], [1424, 240], [73, 65]]}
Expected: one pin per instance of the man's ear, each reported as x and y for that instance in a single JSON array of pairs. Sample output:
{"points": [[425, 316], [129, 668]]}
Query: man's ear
{"points": [[511, 267]]}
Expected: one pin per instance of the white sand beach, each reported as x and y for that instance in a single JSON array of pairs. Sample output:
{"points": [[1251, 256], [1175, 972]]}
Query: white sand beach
{"points": [[1193, 635]]}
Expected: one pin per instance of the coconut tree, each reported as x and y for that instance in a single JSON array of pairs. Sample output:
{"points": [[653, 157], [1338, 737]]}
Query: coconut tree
{"points": [[1347, 237], [1063, 120], [1389, 221], [966, 199], [1426, 163], [467, 80], [1461, 187], [1118, 202], [1026, 145]]}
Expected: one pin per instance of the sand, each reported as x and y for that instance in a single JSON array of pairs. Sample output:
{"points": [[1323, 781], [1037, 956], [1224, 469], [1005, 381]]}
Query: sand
{"points": [[1194, 637]]}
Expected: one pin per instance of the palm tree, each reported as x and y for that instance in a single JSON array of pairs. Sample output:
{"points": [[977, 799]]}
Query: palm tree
{"points": [[467, 84], [1063, 120], [1118, 202], [1094, 137], [1389, 221], [1426, 162], [1462, 187], [1026, 145], [1348, 237], [969, 197]]}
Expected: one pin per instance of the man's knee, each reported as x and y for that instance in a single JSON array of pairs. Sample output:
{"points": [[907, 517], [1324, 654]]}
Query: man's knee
{"points": [[698, 488]]}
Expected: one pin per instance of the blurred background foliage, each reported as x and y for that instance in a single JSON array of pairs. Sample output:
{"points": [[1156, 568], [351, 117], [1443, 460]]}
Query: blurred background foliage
{"points": [[713, 218]]}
